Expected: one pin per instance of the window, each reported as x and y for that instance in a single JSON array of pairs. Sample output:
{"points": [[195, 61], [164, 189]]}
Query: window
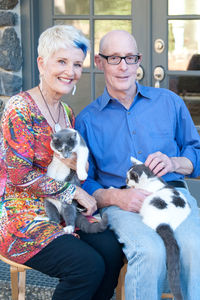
{"points": [[94, 18]]}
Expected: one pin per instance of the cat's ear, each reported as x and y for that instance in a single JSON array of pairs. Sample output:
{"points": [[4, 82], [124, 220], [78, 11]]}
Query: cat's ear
{"points": [[74, 135], [54, 137], [135, 161]]}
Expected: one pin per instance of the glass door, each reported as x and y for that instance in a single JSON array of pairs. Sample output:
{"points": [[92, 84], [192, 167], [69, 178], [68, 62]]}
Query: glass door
{"points": [[176, 50], [167, 33], [176, 56], [94, 18]]}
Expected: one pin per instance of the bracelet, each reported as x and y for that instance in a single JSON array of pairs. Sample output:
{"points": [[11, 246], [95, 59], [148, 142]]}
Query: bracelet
{"points": [[68, 195]]}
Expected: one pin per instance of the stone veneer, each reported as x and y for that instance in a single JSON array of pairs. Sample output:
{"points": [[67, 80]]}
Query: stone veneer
{"points": [[10, 51]]}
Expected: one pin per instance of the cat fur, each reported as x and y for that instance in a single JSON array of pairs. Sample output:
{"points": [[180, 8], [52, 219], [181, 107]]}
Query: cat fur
{"points": [[163, 210], [64, 143]]}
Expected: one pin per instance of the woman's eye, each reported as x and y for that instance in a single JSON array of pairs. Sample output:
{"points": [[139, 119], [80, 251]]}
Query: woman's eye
{"points": [[61, 61]]}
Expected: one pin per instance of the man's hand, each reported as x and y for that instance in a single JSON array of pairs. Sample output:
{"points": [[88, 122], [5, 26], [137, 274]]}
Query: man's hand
{"points": [[127, 199], [161, 164], [131, 199]]}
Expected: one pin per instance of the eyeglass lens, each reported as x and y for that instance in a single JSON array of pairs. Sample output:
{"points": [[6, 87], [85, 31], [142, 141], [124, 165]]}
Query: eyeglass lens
{"points": [[131, 59]]}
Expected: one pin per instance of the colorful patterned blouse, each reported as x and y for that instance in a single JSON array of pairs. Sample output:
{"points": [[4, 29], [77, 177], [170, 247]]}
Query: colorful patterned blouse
{"points": [[25, 154]]}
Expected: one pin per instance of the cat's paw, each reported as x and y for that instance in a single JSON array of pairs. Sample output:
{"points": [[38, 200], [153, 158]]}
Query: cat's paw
{"points": [[69, 229], [82, 175]]}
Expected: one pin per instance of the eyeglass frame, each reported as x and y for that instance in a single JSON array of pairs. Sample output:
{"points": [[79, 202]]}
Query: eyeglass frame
{"points": [[121, 57]]}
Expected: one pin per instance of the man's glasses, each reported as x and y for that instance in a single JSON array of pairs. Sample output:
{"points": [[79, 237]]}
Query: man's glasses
{"points": [[115, 60]]}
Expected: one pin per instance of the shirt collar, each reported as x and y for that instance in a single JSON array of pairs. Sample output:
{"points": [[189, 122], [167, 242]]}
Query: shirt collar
{"points": [[105, 97], [142, 90]]}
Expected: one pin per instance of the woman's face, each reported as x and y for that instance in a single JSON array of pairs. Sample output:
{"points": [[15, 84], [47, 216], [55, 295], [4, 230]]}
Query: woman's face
{"points": [[61, 71]]}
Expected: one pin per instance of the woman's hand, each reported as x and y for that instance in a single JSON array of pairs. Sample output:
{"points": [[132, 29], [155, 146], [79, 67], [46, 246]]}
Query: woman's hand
{"points": [[86, 201], [71, 162]]}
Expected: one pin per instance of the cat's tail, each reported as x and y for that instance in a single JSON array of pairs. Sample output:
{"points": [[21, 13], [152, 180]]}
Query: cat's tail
{"points": [[173, 259], [83, 224]]}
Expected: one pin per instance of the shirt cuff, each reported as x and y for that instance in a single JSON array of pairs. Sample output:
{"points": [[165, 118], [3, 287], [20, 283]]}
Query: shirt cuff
{"points": [[91, 186], [67, 195]]}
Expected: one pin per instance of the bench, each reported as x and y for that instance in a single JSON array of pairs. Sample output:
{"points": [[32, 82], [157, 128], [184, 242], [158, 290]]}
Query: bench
{"points": [[120, 290], [18, 278]]}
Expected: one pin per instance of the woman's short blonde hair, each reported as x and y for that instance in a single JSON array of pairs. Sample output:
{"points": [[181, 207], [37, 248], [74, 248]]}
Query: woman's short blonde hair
{"points": [[59, 37]]}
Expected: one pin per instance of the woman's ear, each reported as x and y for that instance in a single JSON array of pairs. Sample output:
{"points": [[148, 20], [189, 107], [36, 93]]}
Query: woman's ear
{"points": [[40, 63], [98, 62]]}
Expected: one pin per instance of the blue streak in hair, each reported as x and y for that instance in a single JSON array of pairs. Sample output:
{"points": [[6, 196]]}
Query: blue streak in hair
{"points": [[81, 45]]}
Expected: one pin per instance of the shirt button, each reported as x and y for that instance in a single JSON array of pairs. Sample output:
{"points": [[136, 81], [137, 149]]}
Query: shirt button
{"points": [[133, 132], [129, 112], [139, 152]]}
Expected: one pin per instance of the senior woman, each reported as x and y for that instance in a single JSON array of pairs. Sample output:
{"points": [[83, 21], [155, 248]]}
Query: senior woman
{"points": [[87, 267]]}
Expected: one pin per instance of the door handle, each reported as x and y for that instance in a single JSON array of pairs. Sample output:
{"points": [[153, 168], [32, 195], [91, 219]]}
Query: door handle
{"points": [[159, 74], [140, 73]]}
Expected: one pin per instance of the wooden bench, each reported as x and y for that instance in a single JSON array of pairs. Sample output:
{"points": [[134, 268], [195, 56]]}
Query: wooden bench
{"points": [[18, 281], [18, 278], [120, 290]]}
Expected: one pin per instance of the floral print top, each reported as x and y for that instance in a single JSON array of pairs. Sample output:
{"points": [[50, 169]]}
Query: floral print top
{"points": [[25, 154]]}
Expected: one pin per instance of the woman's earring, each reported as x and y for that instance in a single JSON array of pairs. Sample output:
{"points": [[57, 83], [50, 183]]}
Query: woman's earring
{"points": [[74, 90]]}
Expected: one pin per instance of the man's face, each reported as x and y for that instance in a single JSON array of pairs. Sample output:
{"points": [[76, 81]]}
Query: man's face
{"points": [[121, 77]]}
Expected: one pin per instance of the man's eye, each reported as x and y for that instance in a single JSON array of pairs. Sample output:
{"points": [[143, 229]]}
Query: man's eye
{"points": [[78, 65], [131, 58], [114, 58]]}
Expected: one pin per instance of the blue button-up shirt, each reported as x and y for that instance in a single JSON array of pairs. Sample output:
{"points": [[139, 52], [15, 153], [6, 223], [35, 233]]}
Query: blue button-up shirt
{"points": [[157, 120]]}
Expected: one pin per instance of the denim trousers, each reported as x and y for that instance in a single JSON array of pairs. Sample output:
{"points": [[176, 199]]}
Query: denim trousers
{"points": [[146, 255], [87, 268]]}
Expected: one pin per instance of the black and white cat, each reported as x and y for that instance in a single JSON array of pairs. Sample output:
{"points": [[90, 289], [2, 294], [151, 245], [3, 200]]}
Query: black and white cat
{"points": [[66, 142], [163, 210]]}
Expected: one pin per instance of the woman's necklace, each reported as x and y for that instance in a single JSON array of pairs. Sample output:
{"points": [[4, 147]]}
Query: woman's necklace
{"points": [[57, 125]]}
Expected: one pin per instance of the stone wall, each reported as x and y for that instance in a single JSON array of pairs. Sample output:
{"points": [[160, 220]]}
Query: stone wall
{"points": [[10, 50]]}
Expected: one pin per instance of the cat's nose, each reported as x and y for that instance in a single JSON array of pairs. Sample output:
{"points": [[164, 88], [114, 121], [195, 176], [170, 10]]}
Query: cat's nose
{"points": [[66, 154]]}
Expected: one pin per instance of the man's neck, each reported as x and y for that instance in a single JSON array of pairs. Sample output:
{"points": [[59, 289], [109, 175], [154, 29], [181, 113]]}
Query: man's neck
{"points": [[124, 97]]}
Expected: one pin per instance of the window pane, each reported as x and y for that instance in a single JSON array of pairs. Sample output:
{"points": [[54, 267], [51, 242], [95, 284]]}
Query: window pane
{"points": [[183, 42], [71, 7], [99, 84], [82, 25], [82, 96], [188, 87], [112, 7], [183, 7], [103, 26]]}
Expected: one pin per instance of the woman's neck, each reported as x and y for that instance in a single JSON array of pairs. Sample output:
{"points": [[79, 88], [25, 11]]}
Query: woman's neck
{"points": [[51, 98]]}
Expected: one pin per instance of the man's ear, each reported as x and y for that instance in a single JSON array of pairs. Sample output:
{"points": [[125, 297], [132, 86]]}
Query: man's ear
{"points": [[140, 59], [98, 62]]}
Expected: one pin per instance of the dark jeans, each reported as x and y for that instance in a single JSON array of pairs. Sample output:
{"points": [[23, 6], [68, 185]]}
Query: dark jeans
{"points": [[87, 268]]}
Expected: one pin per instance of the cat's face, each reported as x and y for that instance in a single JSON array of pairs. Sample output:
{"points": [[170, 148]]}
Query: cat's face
{"points": [[64, 142], [138, 174]]}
